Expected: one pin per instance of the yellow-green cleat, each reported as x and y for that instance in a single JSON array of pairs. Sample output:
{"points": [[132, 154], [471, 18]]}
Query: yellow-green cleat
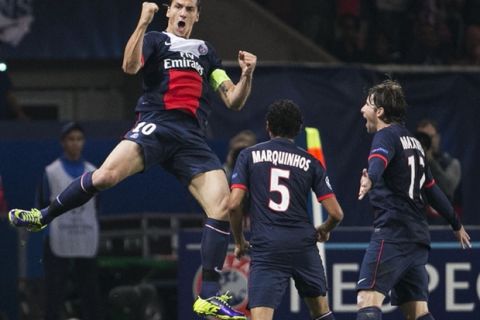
{"points": [[218, 307], [28, 219]]}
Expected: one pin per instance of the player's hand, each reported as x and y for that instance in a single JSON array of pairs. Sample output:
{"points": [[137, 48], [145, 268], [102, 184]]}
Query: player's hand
{"points": [[322, 234], [365, 184], [463, 237], [241, 249], [247, 62], [148, 11]]}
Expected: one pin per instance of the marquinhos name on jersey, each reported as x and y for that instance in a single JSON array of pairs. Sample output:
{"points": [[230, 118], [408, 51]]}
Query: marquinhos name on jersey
{"points": [[280, 157]]}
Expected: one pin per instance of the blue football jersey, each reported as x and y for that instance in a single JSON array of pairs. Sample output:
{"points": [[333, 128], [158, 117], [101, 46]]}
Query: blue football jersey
{"points": [[279, 177], [399, 208], [176, 74]]}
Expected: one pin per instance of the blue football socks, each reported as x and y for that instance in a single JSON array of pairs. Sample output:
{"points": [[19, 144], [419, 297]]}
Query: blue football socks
{"points": [[80, 191], [369, 313], [214, 249]]}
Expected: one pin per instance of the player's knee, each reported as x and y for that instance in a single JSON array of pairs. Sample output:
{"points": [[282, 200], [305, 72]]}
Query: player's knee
{"points": [[220, 210], [104, 179], [367, 299]]}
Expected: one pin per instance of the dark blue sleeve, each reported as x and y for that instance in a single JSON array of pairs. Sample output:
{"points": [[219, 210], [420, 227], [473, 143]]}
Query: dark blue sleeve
{"points": [[321, 183], [150, 43], [381, 152], [215, 61], [240, 178], [439, 201]]}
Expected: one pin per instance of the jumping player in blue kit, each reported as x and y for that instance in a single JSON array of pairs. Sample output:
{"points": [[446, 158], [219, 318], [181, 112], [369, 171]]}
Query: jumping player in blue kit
{"points": [[398, 182], [279, 177], [172, 112]]}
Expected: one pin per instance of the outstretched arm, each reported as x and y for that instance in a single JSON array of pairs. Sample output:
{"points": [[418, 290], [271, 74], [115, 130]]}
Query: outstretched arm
{"points": [[439, 201], [235, 95], [132, 56], [236, 215]]}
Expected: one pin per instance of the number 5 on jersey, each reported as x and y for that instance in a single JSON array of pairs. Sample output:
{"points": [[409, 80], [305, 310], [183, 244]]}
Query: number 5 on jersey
{"points": [[275, 186]]}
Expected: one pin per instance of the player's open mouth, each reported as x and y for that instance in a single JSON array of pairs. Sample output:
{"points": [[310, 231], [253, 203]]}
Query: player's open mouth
{"points": [[181, 24]]}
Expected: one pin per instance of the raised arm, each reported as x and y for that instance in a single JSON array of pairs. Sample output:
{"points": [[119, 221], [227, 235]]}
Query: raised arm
{"points": [[132, 56], [235, 95]]}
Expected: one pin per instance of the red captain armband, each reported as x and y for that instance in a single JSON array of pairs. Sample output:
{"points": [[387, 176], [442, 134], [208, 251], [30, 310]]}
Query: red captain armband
{"points": [[239, 186]]}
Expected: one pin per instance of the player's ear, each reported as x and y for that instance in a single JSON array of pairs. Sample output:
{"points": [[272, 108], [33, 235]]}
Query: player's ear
{"points": [[167, 14], [380, 112]]}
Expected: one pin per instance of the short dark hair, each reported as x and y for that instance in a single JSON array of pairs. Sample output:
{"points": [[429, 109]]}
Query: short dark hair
{"points": [[69, 127], [284, 119], [199, 4], [389, 96]]}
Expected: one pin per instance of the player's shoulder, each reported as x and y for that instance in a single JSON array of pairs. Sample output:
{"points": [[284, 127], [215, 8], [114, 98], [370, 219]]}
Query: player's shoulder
{"points": [[157, 35], [391, 133]]}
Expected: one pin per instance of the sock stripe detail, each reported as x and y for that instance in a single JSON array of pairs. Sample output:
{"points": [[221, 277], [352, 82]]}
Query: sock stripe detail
{"points": [[58, 200], [81, 183], [218, 230], [324, 315]]}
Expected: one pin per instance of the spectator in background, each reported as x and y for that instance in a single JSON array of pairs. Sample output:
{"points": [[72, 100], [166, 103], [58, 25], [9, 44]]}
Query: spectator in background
{"points": [[348, 45], [240, 141], [472, 45], [71, 245], [446, 170], [9, 107], [316, 20]]}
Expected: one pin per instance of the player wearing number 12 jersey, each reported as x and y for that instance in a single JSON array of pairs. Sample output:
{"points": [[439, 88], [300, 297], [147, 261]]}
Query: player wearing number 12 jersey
{"points": [[398, 182], [279, 177]]}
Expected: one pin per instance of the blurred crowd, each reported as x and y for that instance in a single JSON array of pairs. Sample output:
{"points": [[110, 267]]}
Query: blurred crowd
{"points": [[433, 32]]}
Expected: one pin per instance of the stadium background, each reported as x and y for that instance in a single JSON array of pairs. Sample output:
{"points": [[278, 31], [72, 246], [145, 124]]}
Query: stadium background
{"points": [[65, 69]]}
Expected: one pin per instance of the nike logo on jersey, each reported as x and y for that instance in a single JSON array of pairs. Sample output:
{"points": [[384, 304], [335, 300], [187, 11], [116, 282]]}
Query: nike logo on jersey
{"points": [[361, 280], [168, 43], [217, 270]]}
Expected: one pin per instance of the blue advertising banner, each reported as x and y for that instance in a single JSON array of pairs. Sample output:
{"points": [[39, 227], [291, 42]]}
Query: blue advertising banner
{"points": [[454, 277]]}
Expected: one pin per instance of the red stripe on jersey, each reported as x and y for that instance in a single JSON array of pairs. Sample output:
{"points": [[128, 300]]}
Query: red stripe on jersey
{"points": [[429, 184], [376, 155], [239, 186], [379, 259], [184, 91], [326, 196]]}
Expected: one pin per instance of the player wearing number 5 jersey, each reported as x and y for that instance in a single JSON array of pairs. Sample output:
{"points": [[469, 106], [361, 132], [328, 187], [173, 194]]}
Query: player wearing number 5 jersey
{"points": [[172, 111], [398, 182], [279, 177]]}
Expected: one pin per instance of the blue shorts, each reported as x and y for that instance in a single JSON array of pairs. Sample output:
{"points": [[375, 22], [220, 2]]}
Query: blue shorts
{"points": [[270, 275], [399, 267], [174, 140]]}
